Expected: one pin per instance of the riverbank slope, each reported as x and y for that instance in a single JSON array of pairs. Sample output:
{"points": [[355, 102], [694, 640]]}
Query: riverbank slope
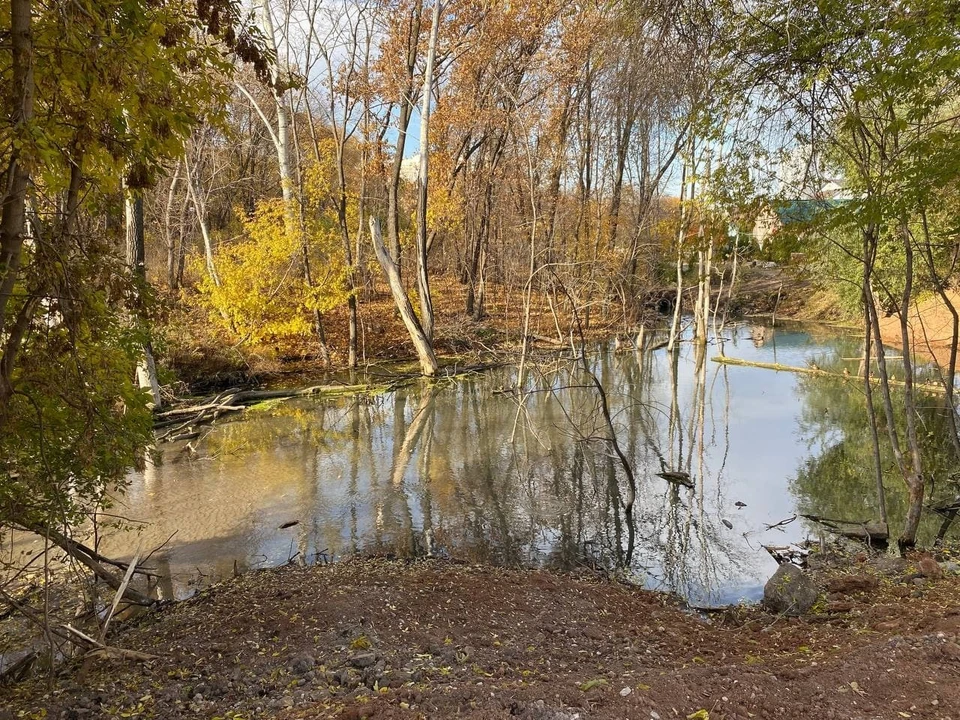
{"points": [[384, 639]]}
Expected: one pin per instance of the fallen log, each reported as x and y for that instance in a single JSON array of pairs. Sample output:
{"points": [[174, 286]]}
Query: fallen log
{"points": [[546, 340], [815, 371], [91, 559], [867, 531], [97, 649], [181, 423]]}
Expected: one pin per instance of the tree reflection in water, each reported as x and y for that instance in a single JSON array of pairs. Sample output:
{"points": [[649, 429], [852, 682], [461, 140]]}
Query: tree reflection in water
{"points": [[453, 469]]}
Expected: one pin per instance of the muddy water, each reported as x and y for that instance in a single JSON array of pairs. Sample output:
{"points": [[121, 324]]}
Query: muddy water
{"points": [[467, 470]]}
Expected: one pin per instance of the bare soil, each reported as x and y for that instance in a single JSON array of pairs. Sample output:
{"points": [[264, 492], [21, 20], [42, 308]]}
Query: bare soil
{"points": [[206, 357], [385, 639], [930, 325]]}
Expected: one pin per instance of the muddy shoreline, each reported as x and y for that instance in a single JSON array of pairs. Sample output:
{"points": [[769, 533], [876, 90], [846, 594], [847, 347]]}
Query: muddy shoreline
{"points": [[387, 639], [204, 363]]}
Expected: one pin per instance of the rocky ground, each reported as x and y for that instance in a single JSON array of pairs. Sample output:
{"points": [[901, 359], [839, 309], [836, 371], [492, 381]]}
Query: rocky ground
{"points": [[384, 639]]}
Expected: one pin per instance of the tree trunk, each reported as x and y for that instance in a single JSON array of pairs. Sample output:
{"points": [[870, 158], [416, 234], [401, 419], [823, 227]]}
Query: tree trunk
{"points": [[168, 231], [623, 145], [403, 122], [200, 209], [423, 278], [146, 366], [423, 346], [16, 178], [914, 477], [948, 378], [681, 236], [868, 386]]}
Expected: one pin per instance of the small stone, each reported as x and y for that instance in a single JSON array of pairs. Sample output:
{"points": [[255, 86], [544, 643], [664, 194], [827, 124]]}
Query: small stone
{"points": [[930, 568], [919, 582], [950, 568], [363, 660], [849, 584], [654, 715], [890, 565], [626, 691], [303, 664]]}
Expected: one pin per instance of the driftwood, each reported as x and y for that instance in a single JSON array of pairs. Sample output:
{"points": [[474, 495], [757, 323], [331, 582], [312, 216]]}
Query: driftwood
{"points": [[181, 423], [119, 595], [546, 340], [779, 525], [96, 649], [94, 561], [817, 372], [865, 531]]}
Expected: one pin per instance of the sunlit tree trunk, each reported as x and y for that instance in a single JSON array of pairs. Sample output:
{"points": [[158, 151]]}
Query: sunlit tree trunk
{"points": [[403, 123], [422, 344], [681, 236], [423, 277], [200, 208]]}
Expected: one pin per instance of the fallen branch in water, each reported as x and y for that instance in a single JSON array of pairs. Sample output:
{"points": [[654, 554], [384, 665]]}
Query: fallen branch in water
{"points": [[182, 422], [815, 371], [779, 525]]}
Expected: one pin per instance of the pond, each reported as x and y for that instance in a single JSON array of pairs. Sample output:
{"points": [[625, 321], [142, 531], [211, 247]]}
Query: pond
{"points": [[469, 470]]}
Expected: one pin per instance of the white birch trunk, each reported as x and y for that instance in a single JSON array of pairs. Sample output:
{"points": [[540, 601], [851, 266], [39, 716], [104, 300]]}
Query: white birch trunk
{"points": [[199, 208], [281, 139]]}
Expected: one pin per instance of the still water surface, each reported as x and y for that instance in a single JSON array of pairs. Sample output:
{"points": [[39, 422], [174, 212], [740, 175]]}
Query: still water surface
{"points": [[463, 469]]}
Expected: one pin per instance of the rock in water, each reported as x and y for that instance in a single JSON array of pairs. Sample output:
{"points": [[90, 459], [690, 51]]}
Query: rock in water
{"points": [[789, 591]]}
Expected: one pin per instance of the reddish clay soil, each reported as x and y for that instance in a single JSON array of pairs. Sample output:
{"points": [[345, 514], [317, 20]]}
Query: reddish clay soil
{"points": [[930, 325], [382, 639]]}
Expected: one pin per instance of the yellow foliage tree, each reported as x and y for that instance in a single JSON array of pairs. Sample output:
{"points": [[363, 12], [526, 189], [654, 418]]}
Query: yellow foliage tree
{"points": [[262, 296]]}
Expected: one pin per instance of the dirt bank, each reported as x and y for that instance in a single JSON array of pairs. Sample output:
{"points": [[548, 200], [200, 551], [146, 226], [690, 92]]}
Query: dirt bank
{"points": [[207, 358], [384, 639], [930, 325]]}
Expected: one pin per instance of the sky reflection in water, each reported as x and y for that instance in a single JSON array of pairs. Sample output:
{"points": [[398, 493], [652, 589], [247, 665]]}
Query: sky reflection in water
{"points": [[457, 470]]}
